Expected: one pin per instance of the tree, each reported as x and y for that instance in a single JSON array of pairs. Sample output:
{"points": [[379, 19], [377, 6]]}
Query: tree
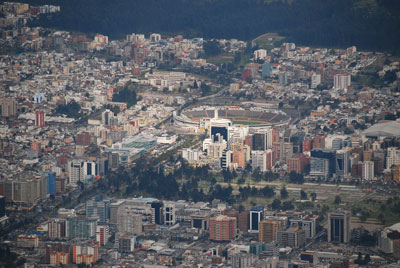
{"points": [[313, 196], [284, 193], [367, 259], [71, 109], [205, 89], [303, 195], [337, 200], [295, 177], [287, 205], [212, 48], [257, 175], [126, 94], [276, 204], [348, 131]]}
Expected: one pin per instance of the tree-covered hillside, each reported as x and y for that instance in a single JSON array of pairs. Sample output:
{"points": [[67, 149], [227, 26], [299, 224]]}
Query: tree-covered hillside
{"points": [[370, 24]]}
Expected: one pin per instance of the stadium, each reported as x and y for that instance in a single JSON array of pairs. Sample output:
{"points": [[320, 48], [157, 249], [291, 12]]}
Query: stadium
{"points": [[254, 117]]}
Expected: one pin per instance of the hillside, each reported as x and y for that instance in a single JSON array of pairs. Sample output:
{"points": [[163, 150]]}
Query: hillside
{"points": [[369, 24]]}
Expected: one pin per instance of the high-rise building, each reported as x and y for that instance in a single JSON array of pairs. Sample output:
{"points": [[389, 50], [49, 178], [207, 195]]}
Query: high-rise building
{"points": [[222, 228], [157, 212], [80, 227], [102, 234], [260, 54], [337, 144], [315, 80], [51, 182], [339, 227], [226, 159], [396, 173], [113, 161], [318, 142], [86, 253], [322, 163], [200, 221], [242, 260], [8, 107], [342, 163], [368, 170], [239, 158], [243, 221], [57, 228], [307, 145], [293, 237], [75, 168], [392, 157], [307, 223], [106, 117], [80, 170], [169, 214], [98, 207], [256, 215], [264, 140], [283, 79], [25, 191], [259, 160], [341, 81], [40, 118], [2, 206], [83, 138], [297, 163], [125, 242], [268, 230], [266, 70], [131, 223]]}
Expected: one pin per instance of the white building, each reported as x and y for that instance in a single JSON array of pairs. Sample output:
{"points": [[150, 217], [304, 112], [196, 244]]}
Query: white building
{"points": [[191, 155], [155, 38], [341, 81], [368, 171], [259, 160], [215, 149], [393, 157], [315, 80], [169, 214], [260, 54], [75, 169], [80, 170]]}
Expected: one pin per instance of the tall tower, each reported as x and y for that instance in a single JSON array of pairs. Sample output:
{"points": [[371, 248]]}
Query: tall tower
{"points": [[339, 226], [268, 230]]}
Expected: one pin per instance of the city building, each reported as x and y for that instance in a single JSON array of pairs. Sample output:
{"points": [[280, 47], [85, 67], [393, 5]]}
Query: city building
{"points": [[342, 163], [307, 223], [169, 214], [157, 212], [341, 81], [8, 107], [268, 230], [80, 227], [293, 237], [315, 80], [130, 223], [339, 227], [40, 119], [256, 216], [368, 170], [57, 228], [222, 228]]}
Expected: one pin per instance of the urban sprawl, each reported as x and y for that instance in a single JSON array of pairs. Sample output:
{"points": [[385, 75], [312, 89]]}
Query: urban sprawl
{"points": [[157, 151]]}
